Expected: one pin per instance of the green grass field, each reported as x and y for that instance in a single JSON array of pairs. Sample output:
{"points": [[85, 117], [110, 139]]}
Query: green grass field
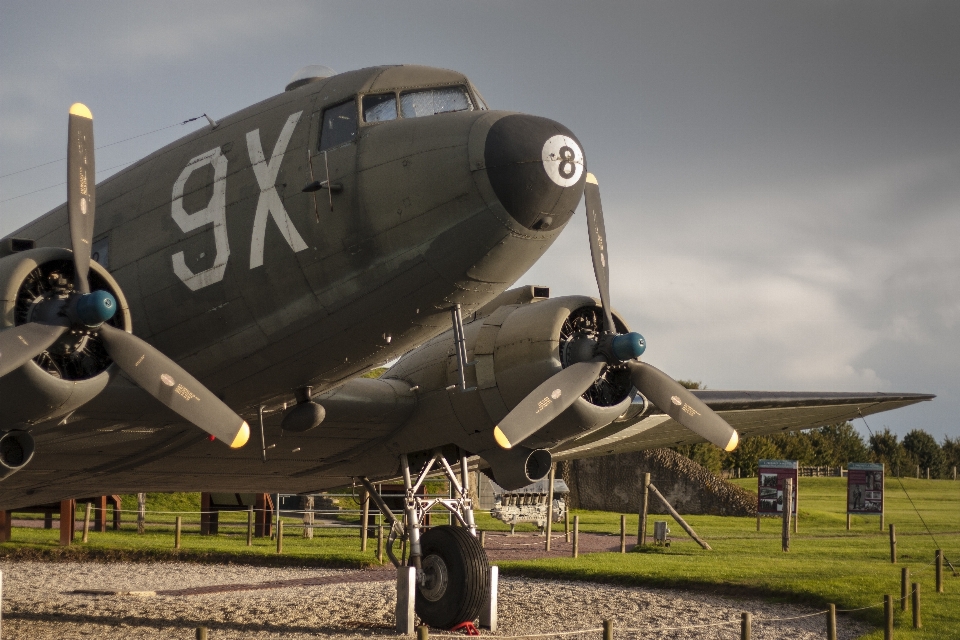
{"points": [[826, 563]]}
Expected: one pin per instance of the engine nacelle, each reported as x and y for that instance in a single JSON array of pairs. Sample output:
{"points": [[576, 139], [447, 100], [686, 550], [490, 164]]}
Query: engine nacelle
{"points": [[76, 368], [514, 349], [16, 450], [515, 468]]}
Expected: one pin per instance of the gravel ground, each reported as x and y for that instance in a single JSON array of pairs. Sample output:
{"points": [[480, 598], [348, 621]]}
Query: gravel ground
{"points": [[38, 603]]}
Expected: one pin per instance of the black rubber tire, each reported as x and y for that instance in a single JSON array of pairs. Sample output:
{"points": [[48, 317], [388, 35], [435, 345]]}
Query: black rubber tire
{"points": [[467, 577]]}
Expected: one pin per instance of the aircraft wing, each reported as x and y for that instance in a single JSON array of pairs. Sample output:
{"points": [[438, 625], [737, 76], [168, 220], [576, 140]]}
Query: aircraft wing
{"points": [[751, 413]]}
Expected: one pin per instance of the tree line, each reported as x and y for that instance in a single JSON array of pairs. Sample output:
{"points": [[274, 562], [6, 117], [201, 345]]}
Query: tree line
{"points": [[833, 446]]}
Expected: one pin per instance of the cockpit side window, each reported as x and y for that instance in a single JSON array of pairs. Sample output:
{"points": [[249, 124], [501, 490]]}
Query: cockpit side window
{"points": [[339, 125], [428, 102], [380, 107]]}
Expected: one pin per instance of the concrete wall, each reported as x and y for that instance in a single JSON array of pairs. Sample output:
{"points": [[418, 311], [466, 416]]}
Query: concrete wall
{"points": [[613, 483]]}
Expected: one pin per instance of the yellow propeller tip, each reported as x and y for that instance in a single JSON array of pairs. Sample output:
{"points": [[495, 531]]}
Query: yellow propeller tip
{"points": [[501, 438], [592, 179], [80, 109], [242, 436], [734, 441]]}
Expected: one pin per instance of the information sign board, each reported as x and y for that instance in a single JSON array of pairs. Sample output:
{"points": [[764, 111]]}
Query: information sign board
{"points": [[770, 477], [865, 488]]}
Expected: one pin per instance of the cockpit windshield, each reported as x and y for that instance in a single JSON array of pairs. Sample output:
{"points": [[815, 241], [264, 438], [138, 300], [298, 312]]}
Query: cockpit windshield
{"points": [[428, 102]]}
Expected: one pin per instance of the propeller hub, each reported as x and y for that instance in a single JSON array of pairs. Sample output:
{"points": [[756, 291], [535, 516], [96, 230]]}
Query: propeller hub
{"points": [[629, 346], [93, 309]]}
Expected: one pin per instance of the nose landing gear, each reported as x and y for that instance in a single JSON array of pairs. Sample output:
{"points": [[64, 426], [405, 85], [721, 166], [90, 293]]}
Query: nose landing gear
{"points": [[452, 571]]}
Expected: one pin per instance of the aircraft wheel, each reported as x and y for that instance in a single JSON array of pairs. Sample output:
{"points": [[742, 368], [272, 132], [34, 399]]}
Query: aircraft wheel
{"points": [[455, 577]]}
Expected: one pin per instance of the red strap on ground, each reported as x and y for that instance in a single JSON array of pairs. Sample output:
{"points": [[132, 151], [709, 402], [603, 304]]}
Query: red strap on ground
{"points": [[467, 628]]}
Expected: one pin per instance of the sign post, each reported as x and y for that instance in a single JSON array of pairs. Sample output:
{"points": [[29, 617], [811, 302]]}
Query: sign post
{"points": [[865, 490], [771, 475]]}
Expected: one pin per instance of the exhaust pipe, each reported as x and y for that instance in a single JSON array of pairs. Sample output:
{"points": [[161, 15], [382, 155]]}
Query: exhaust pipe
{"points": [[518, 467], [16, 450]]}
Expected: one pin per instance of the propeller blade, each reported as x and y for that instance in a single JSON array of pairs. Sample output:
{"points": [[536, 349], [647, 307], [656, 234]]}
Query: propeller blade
{"points": [[167, 381], [679, 403], [546, 402], [598, 246], [81, 191], [19, 345]]}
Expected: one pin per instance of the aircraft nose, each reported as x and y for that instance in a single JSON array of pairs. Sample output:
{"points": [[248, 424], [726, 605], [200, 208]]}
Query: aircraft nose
{"points": [[536, 168]]}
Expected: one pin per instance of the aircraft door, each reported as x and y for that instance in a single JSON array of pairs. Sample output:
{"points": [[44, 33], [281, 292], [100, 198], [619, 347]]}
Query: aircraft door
{"points": [[335, 159]]}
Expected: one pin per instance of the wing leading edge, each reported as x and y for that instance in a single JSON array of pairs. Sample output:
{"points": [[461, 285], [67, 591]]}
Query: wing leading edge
{"points": [[751, 413]]}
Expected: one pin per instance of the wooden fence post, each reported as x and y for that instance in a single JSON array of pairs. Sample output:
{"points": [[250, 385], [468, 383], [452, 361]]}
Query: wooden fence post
{"points": [[576, 536], [644, 507], [904, 586], [250, 526], [380, 543], [86, 524], [915, 598], [831, 622], [893, 544], [608, 630], [141, 512], [787, 512], [679, 519], [279, 536], [623, 533], [176, 532], [483, 539], [939, 562], [566, 520], [746, 618], [887, 617]]}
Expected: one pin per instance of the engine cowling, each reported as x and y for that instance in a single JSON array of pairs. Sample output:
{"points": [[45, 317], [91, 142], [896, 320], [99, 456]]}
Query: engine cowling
{"points": [[514, 348], [76, 368]]}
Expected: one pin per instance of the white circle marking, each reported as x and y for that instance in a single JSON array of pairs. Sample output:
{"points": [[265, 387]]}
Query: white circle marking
{"points": [[562, 160]]}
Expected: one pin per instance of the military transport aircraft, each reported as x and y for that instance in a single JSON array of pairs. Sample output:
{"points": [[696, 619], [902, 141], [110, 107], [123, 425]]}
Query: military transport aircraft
{"points": [[235, 284]]}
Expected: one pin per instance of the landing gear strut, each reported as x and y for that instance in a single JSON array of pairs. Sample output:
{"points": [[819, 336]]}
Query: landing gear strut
{"points": [[452, 577]]}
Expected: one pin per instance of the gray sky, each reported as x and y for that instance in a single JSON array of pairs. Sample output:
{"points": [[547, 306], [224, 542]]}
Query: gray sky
{"points": [[781, 181]]}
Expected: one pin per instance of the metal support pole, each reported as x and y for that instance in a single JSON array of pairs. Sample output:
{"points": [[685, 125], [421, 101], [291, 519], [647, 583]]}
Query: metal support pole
{"points": [[549, 528], [250, 526], [364, 519], [746, 620], [176, 532], [413, 525], [576, 536], [467, 499], [831, 622], [86, 524], [279, 536], [566, 520], [893, 544], [608, 630], [904, 586], [644, 507]]}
